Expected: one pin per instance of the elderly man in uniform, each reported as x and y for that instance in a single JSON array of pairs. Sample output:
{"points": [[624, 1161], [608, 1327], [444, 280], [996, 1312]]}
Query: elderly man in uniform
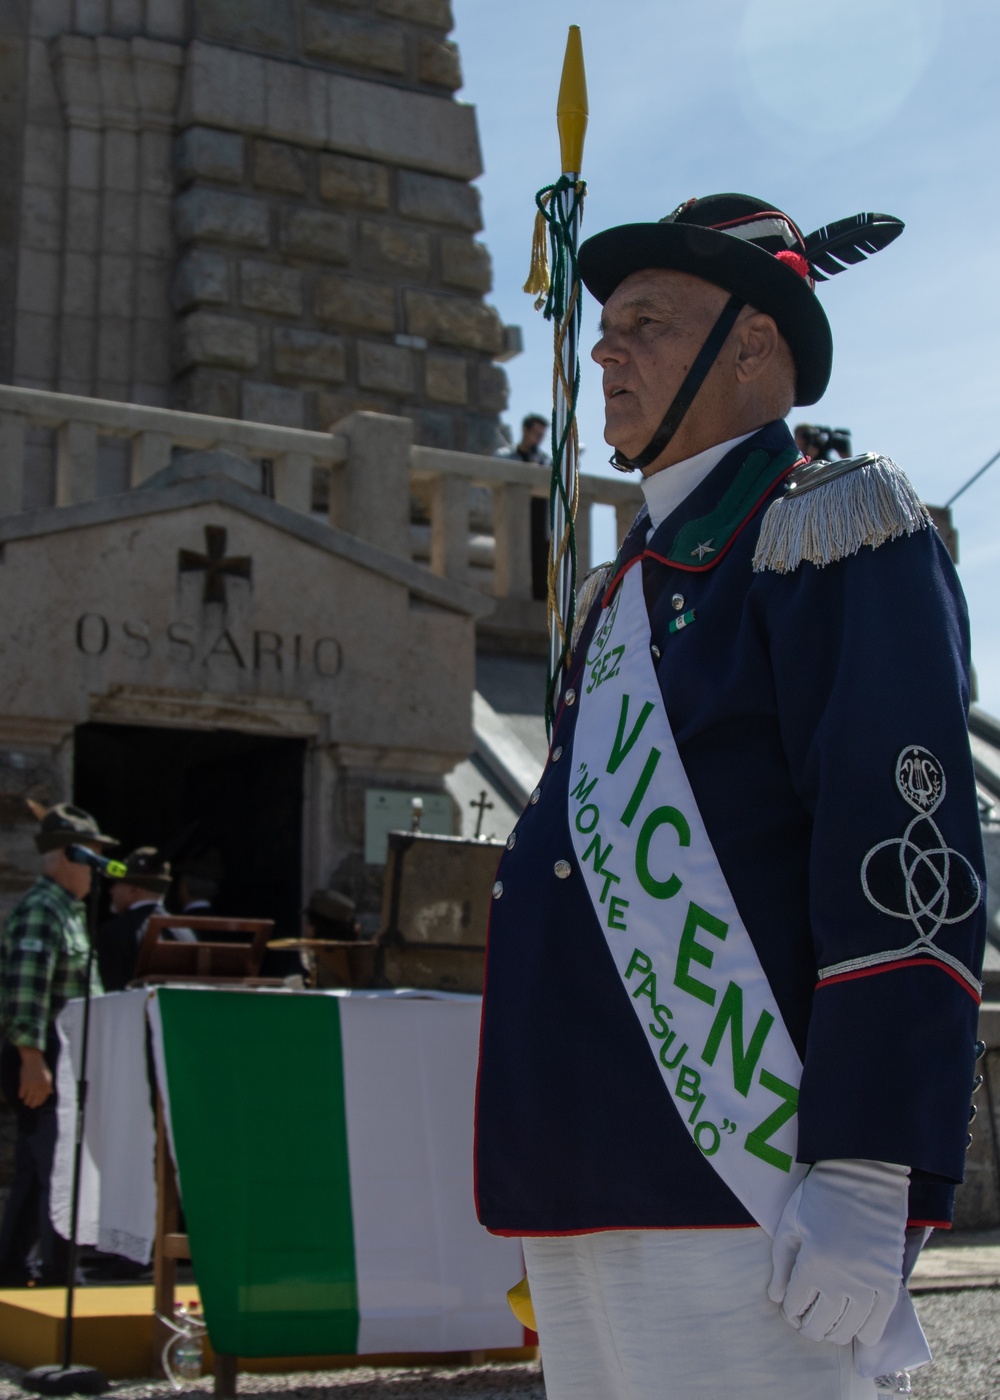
{"points": [[729, 1029], [43, 963]]}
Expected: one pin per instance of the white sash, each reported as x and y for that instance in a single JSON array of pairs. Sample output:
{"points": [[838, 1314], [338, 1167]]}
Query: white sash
{"points": [[678, 943]]}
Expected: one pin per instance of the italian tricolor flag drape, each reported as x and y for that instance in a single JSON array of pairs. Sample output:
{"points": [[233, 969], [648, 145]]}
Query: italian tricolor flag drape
{"points": [[324, 1149]]}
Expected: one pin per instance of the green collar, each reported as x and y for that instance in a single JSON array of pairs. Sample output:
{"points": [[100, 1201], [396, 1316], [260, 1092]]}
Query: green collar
{"points": [[700, 543]]}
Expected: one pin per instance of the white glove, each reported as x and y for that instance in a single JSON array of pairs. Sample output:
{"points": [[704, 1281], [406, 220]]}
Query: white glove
{"points": [[838, 1250], [902, 1346]]}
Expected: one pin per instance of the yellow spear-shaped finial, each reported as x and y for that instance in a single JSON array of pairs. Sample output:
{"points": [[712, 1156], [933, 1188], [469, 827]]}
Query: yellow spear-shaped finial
{"points": [[571, 109]]}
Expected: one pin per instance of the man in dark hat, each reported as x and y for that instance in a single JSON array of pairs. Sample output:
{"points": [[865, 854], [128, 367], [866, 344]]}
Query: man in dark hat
{"points": [[135, 898], [729, 1027], [43, 963], [330, 914]]}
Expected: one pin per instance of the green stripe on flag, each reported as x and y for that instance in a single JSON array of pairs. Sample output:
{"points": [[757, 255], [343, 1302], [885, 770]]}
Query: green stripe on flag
{"points": [[257, 1106]]}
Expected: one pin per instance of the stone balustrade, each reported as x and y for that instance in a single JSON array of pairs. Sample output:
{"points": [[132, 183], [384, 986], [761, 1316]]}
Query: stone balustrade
{"points": [[62, 449]]}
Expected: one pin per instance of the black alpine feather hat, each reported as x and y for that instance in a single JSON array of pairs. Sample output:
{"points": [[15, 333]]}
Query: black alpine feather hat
{"points": [[146, 868], [756, 253], [66, 825]]}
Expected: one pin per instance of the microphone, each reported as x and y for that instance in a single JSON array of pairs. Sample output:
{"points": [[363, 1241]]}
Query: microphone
{"points": [[110, 869]]}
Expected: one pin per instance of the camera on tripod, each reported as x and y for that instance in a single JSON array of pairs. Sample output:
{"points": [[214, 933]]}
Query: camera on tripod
{"points": [[817, 441]]}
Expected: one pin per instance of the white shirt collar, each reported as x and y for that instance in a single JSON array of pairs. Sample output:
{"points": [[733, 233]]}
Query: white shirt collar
{"points": [[665, 489]]}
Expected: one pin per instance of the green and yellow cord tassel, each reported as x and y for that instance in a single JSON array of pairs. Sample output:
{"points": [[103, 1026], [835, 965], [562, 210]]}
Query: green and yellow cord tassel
{"points": [[539, 281], [554, 280]]}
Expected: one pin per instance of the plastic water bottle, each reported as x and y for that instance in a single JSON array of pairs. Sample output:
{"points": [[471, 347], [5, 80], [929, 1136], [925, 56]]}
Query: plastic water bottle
{"points": [[898, 1383], [187, 1352]]}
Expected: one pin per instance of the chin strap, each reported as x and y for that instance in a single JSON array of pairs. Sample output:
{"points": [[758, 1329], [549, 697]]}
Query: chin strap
{"points": [[682, 399]]}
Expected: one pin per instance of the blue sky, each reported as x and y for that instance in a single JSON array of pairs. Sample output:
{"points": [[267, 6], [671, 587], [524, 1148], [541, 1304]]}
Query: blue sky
{"points": [[826, 110]]}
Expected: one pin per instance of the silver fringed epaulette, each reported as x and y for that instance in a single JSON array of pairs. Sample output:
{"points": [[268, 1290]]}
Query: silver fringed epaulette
{"points": [[592, 587], [831, 509]]}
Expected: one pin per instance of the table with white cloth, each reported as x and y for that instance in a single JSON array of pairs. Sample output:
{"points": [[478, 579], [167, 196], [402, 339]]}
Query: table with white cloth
{"points": [[323, 1144]]}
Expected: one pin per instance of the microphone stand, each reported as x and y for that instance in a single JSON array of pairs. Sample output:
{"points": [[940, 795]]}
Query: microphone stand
{"points": [[67, 1379]]}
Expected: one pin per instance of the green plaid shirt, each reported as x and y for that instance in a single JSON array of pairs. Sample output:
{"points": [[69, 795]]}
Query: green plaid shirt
{"points": [[43, 961]]}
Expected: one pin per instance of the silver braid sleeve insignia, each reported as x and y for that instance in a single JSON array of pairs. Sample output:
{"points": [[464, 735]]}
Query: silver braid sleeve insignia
{"points": [[831, 509]]}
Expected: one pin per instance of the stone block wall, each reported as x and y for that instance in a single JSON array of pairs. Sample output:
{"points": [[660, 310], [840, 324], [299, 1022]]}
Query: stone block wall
{"points": [[257, 209]]}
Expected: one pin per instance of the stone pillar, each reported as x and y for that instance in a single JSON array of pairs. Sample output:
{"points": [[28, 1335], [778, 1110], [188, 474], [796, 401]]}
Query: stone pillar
{"points": [[450, 528], [156, 68], [119, 96], [76, 75], [512, 530], [151, 452], [12, 427], [375, 487], [625, 513], [76, 464], [293, 473]]}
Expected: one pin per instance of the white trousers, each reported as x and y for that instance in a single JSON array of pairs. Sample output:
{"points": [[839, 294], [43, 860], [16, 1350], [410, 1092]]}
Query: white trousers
{"points": [[674, 1315]]}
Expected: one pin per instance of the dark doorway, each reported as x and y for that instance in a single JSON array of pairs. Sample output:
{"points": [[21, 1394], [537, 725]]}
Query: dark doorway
{"points": [[233, 799]]}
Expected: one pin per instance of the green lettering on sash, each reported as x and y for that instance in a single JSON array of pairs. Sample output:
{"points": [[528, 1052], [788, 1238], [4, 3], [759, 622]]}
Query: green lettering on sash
{"points": [[583, 789], [586, 830], [757, 1140], [662, 816], [623, 747], [709, 1130], [730, 1013], [609, 878], [645, 778], [594, 849], [660, 1012], [647, 988], [616, 912], [697, 1106], [691, 950], [639, 960], [688, 1084], [672, 1064]]}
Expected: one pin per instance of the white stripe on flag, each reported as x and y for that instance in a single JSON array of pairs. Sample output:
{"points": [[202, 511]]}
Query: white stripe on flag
{"points": [[429, 1276]]}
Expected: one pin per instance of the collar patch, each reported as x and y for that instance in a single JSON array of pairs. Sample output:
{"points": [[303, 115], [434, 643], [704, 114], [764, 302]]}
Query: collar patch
{"points": [[707, 538]]}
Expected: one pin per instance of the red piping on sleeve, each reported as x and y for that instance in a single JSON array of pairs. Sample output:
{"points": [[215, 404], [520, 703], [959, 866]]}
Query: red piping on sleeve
{"points": [[896, 967]]}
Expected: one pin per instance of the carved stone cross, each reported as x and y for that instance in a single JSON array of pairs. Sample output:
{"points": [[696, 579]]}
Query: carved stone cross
{"points": [[214, 564], [482, 806]]}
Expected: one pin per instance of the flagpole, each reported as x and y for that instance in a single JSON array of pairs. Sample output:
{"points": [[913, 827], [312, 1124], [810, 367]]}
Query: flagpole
{"points": [[557, 224]]}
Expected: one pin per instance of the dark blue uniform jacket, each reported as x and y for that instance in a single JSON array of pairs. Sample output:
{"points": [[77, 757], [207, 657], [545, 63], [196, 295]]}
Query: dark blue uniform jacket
{"points": [[791, 697]]}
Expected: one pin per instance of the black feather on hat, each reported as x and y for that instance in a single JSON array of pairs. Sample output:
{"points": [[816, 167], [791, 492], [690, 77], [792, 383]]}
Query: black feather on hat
{"points": [[753, 251]]}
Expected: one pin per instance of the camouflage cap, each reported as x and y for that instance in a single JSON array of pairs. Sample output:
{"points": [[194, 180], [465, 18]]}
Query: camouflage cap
{"points": [[66, 825], [146, 868]]}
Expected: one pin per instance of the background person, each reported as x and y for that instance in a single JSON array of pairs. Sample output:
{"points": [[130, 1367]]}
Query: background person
{"points": [[529, 449], [135, 898], [43, 963], [330, 914]]}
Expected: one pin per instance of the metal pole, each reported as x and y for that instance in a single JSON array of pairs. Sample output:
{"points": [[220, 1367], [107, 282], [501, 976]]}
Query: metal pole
{"points": [[565, 582], [81, 1114], [978, 474]]}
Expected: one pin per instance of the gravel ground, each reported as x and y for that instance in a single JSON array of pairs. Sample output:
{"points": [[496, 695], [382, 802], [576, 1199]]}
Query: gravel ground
{"points": [[963, 1327], [360, 1383], [964, 1332]]}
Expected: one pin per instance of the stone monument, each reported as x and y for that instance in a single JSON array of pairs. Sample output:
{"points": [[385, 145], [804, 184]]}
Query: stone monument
{"points": [[256, 209]]}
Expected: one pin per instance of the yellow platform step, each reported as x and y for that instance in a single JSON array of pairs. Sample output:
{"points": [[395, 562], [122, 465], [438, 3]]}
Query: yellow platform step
{"points": [[113, 1330]]}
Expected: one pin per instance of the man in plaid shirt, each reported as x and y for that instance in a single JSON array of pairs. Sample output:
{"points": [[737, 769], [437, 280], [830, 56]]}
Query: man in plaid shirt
{"points": [[43, 963]]}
